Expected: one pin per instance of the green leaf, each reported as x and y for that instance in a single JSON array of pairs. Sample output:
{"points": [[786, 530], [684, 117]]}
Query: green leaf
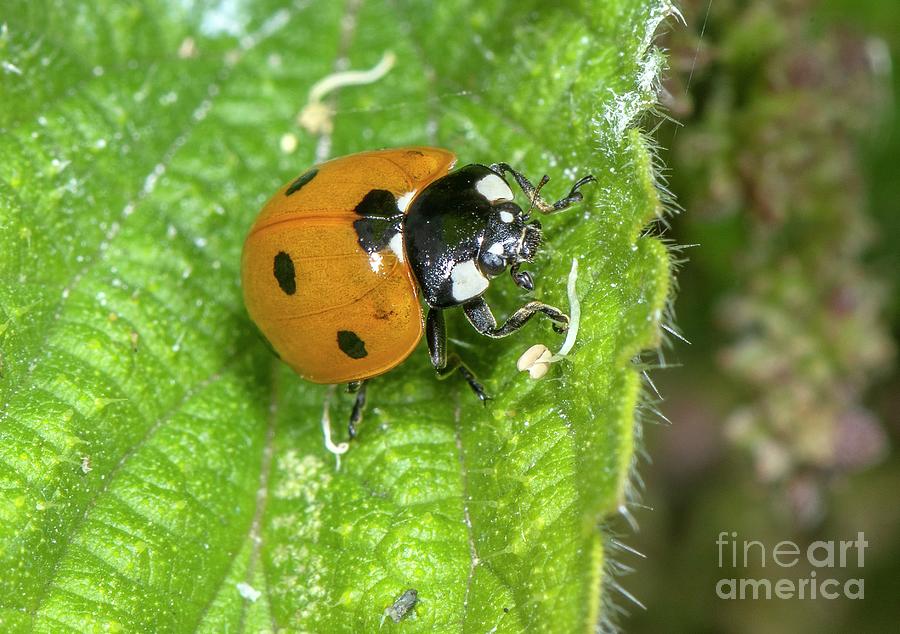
{"points": [[159, 470]]}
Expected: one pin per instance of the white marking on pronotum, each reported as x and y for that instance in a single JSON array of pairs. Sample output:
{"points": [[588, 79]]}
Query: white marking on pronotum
{"points": [[404, 200], [375, 262], [396, 245], [496, 248], [506, 217], [339, 449], [494, 188], [537, 359], [468, 282], [316, 116]]}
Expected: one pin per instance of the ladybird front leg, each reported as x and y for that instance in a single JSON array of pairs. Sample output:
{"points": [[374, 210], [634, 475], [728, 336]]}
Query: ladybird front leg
{"points": [[522, 279], [444, 364], [482, 319], [534, 194], [359, 387]]}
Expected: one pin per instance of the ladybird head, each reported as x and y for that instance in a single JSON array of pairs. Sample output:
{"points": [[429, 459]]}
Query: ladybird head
{"points": [[509, 240]]}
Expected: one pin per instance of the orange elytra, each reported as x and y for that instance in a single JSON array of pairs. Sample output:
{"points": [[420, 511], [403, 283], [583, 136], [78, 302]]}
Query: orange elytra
{"points": [[334, 312]]}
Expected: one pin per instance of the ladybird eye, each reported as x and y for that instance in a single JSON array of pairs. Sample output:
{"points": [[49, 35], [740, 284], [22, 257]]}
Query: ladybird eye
{"points": [[492, 261]]}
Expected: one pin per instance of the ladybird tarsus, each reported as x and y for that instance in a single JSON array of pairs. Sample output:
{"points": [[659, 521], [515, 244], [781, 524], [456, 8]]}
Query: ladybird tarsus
{"points": [[533, 193], [470, 378], [356, 414], [522, 279], [453, 364]]}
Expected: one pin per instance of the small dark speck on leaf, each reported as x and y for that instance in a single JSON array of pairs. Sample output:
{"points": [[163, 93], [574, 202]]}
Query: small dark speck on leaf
{"points": [[406, 602]]}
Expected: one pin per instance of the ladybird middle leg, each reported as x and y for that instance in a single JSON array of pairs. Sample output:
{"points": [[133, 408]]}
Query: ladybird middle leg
{"points": [[444, 364], [482, 319], [533, 192], [359, 388]]}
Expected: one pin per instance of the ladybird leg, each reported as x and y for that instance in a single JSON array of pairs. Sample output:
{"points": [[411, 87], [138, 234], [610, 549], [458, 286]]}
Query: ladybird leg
{"points": [[522, 279], [455, 364], [359, 387], [482, 319], [444, 364], [533, 192]]}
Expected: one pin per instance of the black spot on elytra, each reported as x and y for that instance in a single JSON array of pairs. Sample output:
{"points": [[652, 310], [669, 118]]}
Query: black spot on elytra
{"points": [[378, 203], [302, 180], [351, 345], [284, 272], [380, 220]]}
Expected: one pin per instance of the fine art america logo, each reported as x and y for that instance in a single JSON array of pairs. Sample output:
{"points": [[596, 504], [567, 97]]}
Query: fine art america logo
{"points": [[825, 564]]}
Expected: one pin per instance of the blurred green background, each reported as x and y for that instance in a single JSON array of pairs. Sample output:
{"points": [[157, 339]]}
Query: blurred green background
{"points": [[784, 406]]}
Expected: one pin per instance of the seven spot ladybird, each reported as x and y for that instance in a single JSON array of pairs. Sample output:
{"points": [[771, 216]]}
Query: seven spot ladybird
{"points": [[335, 263]]}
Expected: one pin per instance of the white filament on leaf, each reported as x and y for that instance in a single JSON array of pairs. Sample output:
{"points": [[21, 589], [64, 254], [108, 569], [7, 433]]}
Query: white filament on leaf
{"points": [[316, 116], [337, 449], [537, 359]]}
